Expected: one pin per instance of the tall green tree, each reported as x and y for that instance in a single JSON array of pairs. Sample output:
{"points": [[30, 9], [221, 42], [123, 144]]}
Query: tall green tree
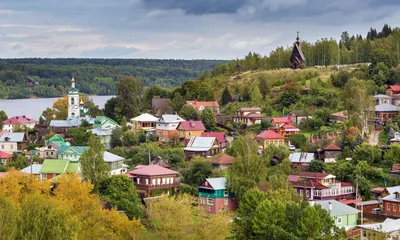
{"points": [[209, 119], [109, 108], [93, 167], [255, 95], [199, 169], [226, 96], [120, 193], [3, 116], [129, 96], [188, 112], [249, 168]]}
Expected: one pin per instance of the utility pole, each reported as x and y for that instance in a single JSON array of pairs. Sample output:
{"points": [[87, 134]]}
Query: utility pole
{"points": [[398, 56]]}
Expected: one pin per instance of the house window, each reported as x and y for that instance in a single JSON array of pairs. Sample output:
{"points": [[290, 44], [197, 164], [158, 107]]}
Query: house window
{"points": [[158, 181], [2, 146], [47, 153], [210, 201], [394, 208], [301, 192], [51, 153], [226, 201], [153, 182], [167, 180], [137, 180], [339, 220], [225, 193], [11, 146], [163, 180], [190, 133], [171, 180], [388, 206], [147, 181], [44, 176]]}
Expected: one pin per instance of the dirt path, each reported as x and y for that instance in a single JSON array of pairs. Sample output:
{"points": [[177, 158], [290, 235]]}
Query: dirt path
{"points": [[373, 138]]}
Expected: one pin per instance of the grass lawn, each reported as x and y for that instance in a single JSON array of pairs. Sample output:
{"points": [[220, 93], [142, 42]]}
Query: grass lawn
{"points": [[383, 138], [308, 133]]}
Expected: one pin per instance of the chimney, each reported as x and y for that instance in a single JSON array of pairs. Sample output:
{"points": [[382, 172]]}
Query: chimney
{"points": [[330, 207]]}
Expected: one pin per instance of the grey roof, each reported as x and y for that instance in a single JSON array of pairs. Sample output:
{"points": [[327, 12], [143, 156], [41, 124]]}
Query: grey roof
{"points": [[382, 96], [386, 107], [388, 226], [12, 137], [101, 132], [338, 208], [145, 117], [200, 144], [299, 157], [299, 113], [167, 118], [394, 189], [370, 202], [392, 198], [110, 157], [78, 149], [35, 169], [217, 183]]}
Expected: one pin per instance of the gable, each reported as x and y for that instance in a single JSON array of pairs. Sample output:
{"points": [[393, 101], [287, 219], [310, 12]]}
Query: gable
{"points": [[70, 151], [206, 184]]}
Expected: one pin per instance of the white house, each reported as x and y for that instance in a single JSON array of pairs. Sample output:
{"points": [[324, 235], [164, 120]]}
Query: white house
{"points": [[22, 121], [13, 142], [166, 127]]}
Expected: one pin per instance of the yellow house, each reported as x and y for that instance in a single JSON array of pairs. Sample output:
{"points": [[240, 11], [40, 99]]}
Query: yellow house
{"points": [[269, 137], [188, 129], [144, 122]]}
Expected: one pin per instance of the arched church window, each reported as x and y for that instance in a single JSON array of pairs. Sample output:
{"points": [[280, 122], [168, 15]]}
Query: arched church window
{"points": [[73, 114], [72, 101]]}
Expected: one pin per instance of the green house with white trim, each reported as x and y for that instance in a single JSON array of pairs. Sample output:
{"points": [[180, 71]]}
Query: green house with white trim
{"points": [[104, 122], [343, 215], [71, 153], [57, 140], [52, 168]]}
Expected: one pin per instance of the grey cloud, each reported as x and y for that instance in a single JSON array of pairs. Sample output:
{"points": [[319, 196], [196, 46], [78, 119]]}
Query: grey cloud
{"points": [[110, 51]]}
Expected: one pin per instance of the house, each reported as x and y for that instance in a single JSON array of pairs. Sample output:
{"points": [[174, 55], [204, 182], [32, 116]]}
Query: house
{"points": [[71, 153], [52, 168], [384, 113], [339, 117], [220, 137], [115, 163], [146, 122], [61, 126], [221, 161], [301, 160], [329, 153], [268, 137], [343, 215], [214, 196], [367, 206], [391, 204], [5, 158], [189, 129], [49, 151], [160, 106], [298, 116], [200, 106], [21, 121], [151, 180], [321, 186], [166, 127], [389, 229], [288, 129], [395, 170], [248, 116], [202, 146], [11, 142], [33, 169], [104, 134], [393, 90], [297, 58], [382, 99], [104, 122], [278, 122], [396, 138], [57, 140]]}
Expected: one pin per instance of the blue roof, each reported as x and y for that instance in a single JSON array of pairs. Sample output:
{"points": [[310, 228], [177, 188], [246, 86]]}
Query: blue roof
{"points": [[71, 122], [12, 137]]}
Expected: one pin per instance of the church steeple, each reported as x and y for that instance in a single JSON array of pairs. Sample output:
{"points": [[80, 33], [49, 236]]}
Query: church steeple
{"points": [[73, 82], [73, 100]]}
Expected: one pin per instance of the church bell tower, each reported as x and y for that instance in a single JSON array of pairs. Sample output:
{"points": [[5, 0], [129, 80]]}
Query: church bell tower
{"points": [[73, 100]]}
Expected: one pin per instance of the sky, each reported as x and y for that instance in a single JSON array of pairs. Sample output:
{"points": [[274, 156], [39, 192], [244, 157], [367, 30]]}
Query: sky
{"points": [[179, 29]]}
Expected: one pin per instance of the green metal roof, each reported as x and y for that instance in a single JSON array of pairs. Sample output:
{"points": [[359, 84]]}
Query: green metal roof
{"points": [[78, 149], [73, 90], [99, 119], [72, 167], [54, 166]]}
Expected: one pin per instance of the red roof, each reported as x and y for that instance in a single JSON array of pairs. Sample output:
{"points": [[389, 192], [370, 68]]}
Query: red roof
{"points": [[312, 183], [394, 87], [282, 119], [331, 147], [293, 178], [268, 134], [378, 189], [313, 174], [350, 201], [193, 125], [19, 120], [219, 135], [152, 170], [4, 155], [222, 159], [198, 104]]}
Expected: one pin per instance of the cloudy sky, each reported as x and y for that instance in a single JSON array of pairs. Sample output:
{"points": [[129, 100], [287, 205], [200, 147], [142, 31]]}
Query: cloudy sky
{"points": [[179, 29]]}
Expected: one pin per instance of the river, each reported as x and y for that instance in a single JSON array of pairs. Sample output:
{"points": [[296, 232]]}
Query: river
{"points": [[34, 107]]}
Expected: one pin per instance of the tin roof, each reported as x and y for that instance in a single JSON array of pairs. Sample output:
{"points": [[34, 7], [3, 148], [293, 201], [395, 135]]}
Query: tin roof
{"points": [[152, 170], [386, 107], [200, 144]]}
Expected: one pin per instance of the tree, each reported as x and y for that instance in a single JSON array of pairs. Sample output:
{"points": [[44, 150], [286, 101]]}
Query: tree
{"points": [[3, 116], [61, 107], [80, 136], [130, 138], [281, 152], [177, 102], [199, 169], [124, 124], [116, 137], [369, 153], [176, 218], [392, 156], [249, 168], [316, 166], [209, 119], [129, 96], [255, 95], [93, 167], [109, 108], [19, 161], [188, 112], [358, 104], [226, 96], [49, 114], [298, 140], [120, 193]]}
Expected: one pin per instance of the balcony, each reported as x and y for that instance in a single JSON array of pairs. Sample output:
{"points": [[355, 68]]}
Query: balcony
{"points": [[157, 186]]}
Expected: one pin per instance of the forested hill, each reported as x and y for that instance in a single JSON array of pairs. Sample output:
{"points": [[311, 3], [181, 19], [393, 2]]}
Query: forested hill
{"points": [[45, 77]]}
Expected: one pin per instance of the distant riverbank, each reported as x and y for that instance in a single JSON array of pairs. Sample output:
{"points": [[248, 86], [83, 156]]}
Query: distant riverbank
{"points": [[33, 107]]}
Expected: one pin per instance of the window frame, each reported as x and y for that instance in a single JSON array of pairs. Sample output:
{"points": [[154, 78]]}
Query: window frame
{"points": [[210, 201], [339, 220]]}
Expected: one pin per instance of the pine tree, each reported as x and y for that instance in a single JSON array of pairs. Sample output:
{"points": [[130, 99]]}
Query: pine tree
{"points": [[226, 96]]}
